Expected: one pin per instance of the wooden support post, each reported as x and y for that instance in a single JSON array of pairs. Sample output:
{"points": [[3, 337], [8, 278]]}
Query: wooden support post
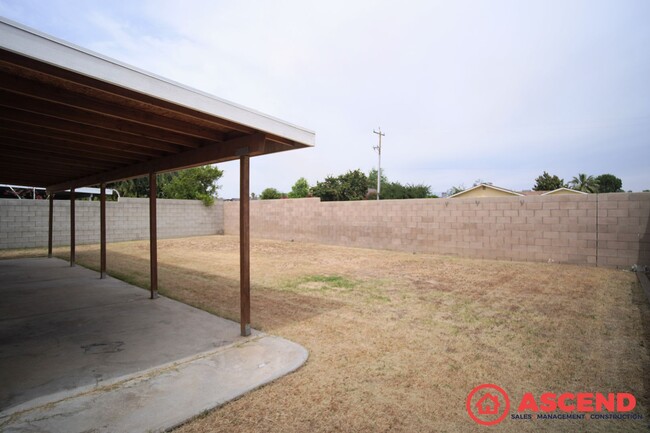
{"points": [[50, 227], [244, 246], [153, 236], [102, 231], [72, 228]]}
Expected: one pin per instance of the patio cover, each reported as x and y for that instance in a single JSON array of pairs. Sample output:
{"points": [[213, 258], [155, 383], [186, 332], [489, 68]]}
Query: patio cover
{"points": [[71, 118]]}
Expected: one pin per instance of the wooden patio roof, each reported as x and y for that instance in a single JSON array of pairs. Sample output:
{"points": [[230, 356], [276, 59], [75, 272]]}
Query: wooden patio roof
{"points": [[71, 118]]}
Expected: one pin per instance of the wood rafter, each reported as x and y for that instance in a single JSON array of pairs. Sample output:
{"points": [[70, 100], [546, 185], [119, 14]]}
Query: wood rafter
{"points": [[69, 118], [76, 99], [251, 145]]}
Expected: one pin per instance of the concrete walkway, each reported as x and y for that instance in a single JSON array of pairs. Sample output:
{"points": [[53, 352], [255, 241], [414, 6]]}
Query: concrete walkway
{"points": [[82, 354]]}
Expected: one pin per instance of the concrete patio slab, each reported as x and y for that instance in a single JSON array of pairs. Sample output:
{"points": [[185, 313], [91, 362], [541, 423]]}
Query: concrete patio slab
{"points": [[82, 354]]}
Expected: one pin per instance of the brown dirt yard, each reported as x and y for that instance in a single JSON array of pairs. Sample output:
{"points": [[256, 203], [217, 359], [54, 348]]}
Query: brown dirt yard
{"points": [[398, 340]]}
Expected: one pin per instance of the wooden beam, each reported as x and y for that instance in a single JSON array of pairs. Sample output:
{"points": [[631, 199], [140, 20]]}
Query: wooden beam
{"points": [[8, 166], [96, 120], [12, 169], [85, 135], [146, 102], [26, 180], [72, 228], [50, 226], [244, 246], [73, 96], [276, 146], [64, 148], [153, 236], [248, 145], [55, 159], [102, 231]]}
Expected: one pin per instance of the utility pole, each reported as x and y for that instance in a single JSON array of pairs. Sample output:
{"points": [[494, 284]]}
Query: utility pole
{"points": [[378, 149]]}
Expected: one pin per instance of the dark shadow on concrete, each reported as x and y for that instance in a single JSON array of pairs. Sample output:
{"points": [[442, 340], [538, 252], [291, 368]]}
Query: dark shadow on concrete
{"points": [[62, 328]]}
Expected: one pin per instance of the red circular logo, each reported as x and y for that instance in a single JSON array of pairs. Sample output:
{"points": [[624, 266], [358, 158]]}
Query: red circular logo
{"points": [[488, 404]]}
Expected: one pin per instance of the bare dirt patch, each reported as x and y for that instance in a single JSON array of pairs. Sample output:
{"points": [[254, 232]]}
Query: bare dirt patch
{"points": [[398, 340]]}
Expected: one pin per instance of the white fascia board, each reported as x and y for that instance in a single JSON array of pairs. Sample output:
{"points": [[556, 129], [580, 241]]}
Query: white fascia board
{"points": [[517, 194], [31, 43]]}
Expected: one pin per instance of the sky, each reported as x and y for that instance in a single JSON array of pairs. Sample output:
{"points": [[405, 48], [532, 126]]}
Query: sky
{"points": [[497, 91]]}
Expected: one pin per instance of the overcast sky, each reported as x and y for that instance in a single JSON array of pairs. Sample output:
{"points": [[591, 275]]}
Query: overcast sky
{"points": [[464, 90]]}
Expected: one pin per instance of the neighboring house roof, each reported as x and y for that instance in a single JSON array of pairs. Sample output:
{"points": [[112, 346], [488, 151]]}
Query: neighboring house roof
{"points": [[485, 190], [529, 192], [563, 191]]}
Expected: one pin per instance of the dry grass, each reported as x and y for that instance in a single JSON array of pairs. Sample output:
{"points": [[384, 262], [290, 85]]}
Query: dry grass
{"points": [[398, 340]]}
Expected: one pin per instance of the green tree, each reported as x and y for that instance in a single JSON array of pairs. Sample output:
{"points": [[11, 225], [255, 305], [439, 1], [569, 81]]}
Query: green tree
{"points": [[546, 182], [395, 190], [327, 190], [584, 183], [132, 187], [270, 194], [352, 185], [392, 191], [300, 189], [139, 187], [609, 183], [372, 180], [198, 183], [419, 190], [455, 190]]}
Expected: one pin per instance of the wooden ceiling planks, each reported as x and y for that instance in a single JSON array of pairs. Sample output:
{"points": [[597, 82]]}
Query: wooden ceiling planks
{"points": [[71, 118]]}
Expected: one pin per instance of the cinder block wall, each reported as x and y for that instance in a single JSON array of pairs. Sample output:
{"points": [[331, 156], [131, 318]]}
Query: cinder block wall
{"points": [[623, 230], [604, 229], [23, 223]]}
